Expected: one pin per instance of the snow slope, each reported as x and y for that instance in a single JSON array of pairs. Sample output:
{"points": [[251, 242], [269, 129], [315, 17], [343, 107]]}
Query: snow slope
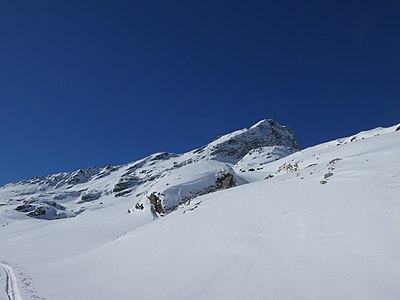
{"points": [[320, 223]]}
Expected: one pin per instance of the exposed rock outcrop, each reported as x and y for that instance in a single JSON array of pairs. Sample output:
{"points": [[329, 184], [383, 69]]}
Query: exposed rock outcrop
{"points": [[125, 182], [156, 203], [89, 196], [226, 181], [265, 133]]}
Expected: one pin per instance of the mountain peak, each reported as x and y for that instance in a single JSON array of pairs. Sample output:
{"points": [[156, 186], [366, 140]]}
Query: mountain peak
{"points": [[265, 133], [263, 123]]}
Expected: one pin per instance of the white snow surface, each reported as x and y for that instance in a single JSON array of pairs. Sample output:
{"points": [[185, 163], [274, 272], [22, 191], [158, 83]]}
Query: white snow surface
{"points": [[321, 223]]}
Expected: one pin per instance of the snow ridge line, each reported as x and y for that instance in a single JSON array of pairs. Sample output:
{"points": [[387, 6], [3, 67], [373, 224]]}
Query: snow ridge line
{"points": [[11, 282]]}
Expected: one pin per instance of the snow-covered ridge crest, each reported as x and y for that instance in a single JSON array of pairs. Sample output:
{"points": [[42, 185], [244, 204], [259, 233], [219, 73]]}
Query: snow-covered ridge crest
{"points": [[166, 178]]}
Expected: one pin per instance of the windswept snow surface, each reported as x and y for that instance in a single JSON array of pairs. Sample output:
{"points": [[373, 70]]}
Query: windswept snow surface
{"points": [[321, 223]]}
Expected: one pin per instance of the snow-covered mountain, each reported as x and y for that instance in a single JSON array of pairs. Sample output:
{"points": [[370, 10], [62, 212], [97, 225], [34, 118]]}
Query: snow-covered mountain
{"points": [[322, 222], [169, 179]]}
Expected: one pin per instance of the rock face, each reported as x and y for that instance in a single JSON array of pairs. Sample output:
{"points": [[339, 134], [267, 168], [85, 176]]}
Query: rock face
{"points": [[161, 181], [156, 202], [234, 147], [124, 184], [89, 196], [225, 182]]}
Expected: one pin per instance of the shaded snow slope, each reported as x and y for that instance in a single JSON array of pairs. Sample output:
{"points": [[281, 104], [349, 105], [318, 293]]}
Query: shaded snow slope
{"points": [[322, 223]]}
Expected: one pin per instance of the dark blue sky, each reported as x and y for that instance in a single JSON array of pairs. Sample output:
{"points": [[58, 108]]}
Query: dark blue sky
{"points": [[107, 82]]}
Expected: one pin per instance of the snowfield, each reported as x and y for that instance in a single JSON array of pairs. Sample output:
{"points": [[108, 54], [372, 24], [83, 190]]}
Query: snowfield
{"points": [[320, 223]]}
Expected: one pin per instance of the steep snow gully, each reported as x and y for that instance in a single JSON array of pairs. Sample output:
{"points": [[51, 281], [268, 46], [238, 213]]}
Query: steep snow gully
{"points": [[10, 282]]}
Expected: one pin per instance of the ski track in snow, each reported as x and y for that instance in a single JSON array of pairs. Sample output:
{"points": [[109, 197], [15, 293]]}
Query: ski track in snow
{"points": [[11, 287]]}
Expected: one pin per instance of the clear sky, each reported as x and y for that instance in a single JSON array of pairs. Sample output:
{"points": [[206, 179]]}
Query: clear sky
{"points": [[107, 82]]}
